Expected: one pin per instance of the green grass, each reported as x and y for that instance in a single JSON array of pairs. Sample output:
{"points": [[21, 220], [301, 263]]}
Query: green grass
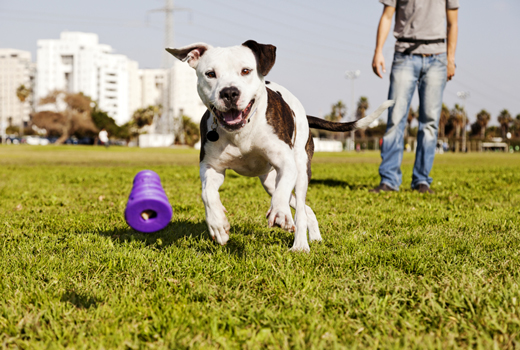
{"points": [[399, 270]]}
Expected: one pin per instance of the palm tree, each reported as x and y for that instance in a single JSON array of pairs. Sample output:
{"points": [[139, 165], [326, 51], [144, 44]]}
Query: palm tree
{"points": [[339, 110], [483, 118], [411, 116], [22, 93], [457, 118], [361, 109], [504, 118], [516, 125], [445, 115]]}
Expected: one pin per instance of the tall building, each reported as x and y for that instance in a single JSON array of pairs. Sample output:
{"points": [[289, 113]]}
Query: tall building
{"points": [[184, 97], [77, 62], [16, 69], [175, 89]]}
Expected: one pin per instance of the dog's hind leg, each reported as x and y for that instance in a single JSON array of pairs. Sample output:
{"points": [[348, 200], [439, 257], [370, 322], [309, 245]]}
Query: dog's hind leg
{"points": [[269, 183]]}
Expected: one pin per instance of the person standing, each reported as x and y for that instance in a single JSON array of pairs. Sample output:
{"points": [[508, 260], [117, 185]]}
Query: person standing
{"points": [[424, 57], [103, 137]]}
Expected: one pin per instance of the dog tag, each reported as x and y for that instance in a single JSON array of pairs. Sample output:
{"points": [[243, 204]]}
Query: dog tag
{"points": [[212, 136]]}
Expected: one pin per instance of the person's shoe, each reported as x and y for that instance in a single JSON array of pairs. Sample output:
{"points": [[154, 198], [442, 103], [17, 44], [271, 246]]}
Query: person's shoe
{"points": [[382, 188], [424, 188]]}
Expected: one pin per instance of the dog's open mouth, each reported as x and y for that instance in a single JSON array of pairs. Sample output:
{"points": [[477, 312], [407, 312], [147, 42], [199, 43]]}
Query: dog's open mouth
{"points": [[234, 119]]}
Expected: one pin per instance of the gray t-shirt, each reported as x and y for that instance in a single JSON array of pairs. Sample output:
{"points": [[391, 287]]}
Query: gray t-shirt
{"points": [[421, 19]]}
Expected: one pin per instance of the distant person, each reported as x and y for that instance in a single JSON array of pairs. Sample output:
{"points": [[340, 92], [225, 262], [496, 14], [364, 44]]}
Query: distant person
{"points": [[426, 32], [103, 137]]}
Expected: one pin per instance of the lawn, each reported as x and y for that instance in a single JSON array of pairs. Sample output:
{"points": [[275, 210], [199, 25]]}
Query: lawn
{"points": [[399, 270]]}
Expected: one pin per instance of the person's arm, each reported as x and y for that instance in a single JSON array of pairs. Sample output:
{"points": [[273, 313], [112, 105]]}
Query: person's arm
{"points": [[378, 62], [453, 30]]}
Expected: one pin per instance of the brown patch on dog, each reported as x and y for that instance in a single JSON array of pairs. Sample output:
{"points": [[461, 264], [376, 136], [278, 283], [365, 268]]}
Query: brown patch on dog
{"points": [[309, 148], [203, 133], [280, 116]]}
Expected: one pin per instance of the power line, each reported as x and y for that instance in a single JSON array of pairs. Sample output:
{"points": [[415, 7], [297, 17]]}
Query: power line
{"points": [[504, 92], [70, 17], [310, 20], [330, 14], [136, 24], [281, 24], [300, 54], [329, 48]]}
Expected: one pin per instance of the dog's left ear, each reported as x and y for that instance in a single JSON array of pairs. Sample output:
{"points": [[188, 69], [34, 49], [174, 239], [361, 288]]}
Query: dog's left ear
{"points": [[265, 55]]}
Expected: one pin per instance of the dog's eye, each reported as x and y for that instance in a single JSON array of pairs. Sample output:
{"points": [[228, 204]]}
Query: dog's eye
{"points": [[211, 74], [246, 71]]}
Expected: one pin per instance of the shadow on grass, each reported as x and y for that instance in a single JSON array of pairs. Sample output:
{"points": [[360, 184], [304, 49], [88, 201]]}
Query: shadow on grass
{"points": [[338, 183], [194, 235], [79, 300]]}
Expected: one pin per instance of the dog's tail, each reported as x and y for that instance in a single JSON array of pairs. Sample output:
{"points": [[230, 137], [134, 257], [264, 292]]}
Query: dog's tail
{"points": [[322, 124]]}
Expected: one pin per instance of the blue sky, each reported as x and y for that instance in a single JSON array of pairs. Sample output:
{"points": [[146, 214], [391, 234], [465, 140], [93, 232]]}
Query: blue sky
{"points": [[317, 41]]}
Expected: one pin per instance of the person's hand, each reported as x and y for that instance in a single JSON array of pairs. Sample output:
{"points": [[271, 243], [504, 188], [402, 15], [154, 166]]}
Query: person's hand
{"points": [[378, 64], [451, 69]]}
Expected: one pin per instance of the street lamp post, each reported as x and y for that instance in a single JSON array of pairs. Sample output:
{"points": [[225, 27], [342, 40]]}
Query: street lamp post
{"points": [[352, 75], [463, 95]]}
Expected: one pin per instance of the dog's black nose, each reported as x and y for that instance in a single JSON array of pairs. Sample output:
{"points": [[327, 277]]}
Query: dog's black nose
{"points": [[230, 95]]}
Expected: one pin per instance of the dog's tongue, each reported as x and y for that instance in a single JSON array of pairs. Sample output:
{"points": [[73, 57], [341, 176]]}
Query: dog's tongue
{"points": [[232, 116]]}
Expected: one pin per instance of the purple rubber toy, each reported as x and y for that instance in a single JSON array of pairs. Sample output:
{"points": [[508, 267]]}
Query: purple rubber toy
{"points": [[148, 209]]}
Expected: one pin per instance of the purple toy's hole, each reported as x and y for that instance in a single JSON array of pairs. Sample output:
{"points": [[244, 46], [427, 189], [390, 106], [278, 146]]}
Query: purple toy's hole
{"points": [[148, 214]]}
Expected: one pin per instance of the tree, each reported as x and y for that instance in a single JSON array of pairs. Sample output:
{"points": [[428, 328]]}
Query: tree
{"points": [[361, 109], [456, 119], [516, 126], [445, 115], [75, 118], [338, 112], [22, 93], [505, 119], [191, 131], [480, 125], [411, 116], [102, 120], [145, 116]]}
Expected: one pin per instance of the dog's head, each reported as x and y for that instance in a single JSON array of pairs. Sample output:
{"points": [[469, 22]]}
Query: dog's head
{"points": [[230, 79]]}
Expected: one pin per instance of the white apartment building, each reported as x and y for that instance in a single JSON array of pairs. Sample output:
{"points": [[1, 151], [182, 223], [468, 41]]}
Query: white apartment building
{"points": [[16, 69], [152, 84], [184, 97], [178, 82], [77, 62]]}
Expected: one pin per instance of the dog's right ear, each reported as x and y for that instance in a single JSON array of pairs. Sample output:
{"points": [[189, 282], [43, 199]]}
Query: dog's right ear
{"points": [[190, 53]]}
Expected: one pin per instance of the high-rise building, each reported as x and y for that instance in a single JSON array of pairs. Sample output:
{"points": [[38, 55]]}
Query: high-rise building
{"points": [[16, 69], [153, 86], [77, 62], [183, 93]]}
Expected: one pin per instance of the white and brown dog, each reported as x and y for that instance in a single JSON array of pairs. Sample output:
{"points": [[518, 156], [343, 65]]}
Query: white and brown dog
{"points": [[256, 128]]}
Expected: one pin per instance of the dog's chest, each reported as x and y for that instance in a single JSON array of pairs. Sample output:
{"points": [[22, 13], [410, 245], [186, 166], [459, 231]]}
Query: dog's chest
{"points": [[246, 162]]}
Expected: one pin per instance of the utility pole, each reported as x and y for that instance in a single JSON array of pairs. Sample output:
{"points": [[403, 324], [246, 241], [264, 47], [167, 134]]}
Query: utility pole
{"points": [[168, 9], [352, 75], [171, 122], [463, 95]]}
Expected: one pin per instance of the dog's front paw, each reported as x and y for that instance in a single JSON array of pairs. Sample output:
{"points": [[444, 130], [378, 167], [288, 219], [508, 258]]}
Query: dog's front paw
{"points": [[218, 228], [281, 218], [301, 247]]}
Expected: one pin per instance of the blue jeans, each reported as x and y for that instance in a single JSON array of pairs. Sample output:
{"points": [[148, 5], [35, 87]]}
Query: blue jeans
{"points": [[429, 74]]}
